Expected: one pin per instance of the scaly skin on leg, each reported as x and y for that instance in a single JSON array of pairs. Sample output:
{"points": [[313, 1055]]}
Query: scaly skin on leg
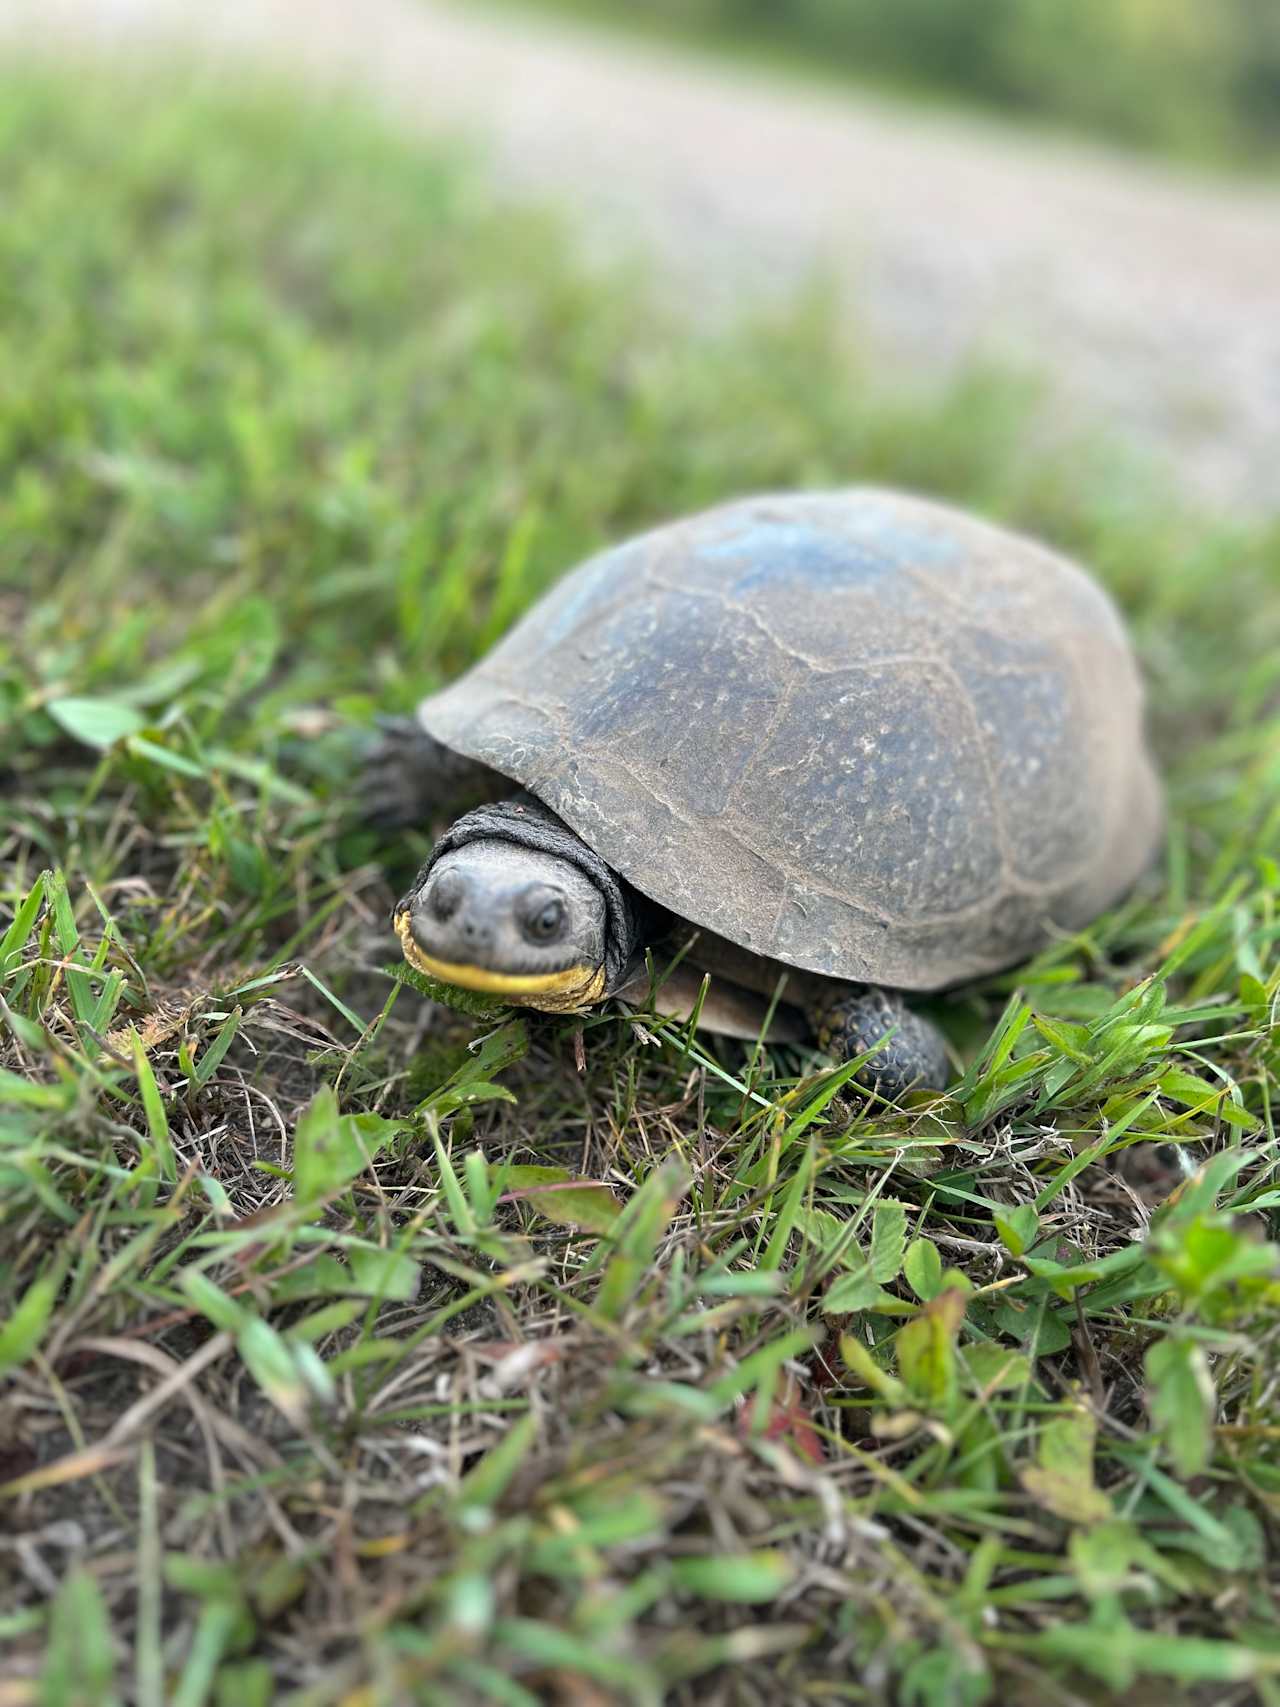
{"points": [[410, 780], [915, 1057]]}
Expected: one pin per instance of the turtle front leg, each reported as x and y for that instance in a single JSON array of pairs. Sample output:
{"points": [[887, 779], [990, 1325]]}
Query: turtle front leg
{"points": [[410, 779], [854, 1019]]}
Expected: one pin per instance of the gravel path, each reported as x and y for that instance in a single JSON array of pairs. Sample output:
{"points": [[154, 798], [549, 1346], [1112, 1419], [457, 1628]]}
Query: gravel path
{"points": [[1151, 299]]}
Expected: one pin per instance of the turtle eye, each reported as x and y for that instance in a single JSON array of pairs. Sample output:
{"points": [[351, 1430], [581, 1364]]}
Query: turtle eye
{"points": [[542, 915], [445, 895]]}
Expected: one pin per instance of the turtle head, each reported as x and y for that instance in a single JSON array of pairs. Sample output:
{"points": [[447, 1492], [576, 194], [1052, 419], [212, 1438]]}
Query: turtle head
{"points": [[514, 921]]}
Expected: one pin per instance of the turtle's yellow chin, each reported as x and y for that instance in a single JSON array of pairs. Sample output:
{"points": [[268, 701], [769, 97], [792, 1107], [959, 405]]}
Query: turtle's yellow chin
{"points": [[565, 991]]}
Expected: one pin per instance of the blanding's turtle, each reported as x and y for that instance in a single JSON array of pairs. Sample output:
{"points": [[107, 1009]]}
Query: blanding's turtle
{"points": [[857, 738]]}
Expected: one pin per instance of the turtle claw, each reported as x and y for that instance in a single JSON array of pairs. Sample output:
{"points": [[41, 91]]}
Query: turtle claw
{"points": [[391, 795], [409, 780], [913, 1057]]}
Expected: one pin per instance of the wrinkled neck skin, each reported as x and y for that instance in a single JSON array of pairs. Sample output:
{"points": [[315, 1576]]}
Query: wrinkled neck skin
{"points": [[513, 903]]}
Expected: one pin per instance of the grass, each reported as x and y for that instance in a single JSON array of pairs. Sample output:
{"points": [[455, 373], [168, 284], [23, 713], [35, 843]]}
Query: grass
{"points": [[350, 1357]]}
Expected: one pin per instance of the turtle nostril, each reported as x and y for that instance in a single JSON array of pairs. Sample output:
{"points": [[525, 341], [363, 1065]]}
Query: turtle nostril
{"points": [[477, 936]]}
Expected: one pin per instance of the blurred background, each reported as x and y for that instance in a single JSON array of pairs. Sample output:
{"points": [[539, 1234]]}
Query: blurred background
{"points": [[1085, 194], [1164, 74]]}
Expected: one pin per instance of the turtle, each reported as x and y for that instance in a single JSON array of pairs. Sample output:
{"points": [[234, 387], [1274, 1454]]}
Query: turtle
{"points": [[833, 749]]}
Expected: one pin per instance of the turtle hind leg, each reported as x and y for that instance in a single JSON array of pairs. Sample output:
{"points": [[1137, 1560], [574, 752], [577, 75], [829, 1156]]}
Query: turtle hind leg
{"points": [[854, 1020], [408, 779]]}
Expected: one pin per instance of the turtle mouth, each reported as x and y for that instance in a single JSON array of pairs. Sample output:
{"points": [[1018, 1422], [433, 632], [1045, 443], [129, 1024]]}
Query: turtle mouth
{"points": [[567, 988]]}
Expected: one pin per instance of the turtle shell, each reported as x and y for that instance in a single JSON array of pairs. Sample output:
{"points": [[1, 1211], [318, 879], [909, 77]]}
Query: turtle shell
{"points": [[858, 732]]}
